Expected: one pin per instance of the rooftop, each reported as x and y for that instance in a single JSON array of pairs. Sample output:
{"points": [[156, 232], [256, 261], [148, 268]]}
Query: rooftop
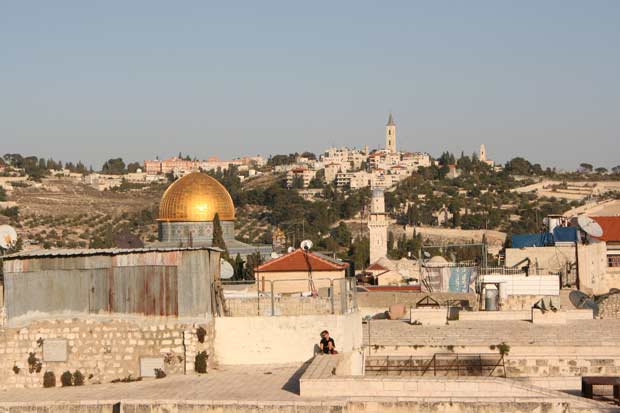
{"points": [[611, 228], [46, 253], [300, 260]]}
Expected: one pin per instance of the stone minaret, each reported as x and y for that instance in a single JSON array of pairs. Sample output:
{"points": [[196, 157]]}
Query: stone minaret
{"points": [[483, 153], [390, 135], [377, 226]]}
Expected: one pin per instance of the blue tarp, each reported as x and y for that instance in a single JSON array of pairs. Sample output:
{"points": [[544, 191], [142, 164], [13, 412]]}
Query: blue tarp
{"points": [[532, 240], [565, 234], [459, 279]]}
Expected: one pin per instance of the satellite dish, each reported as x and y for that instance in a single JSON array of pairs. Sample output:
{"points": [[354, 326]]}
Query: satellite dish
{"points": [[290, 249], [128, 240], [226, 270], [589, 226], [8, 236], [306, 245], [275, 255], [582, 300]]}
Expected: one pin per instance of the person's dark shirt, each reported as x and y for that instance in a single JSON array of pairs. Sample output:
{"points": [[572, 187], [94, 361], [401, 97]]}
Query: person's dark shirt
{"points": [[325, 344]]}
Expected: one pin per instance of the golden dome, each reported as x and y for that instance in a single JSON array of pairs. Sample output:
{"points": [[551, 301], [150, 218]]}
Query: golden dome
{"points": [[196, 197]]}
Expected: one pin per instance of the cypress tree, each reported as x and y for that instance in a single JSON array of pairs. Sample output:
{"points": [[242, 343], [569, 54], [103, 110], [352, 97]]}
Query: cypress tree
{"points": [[218, 236]]}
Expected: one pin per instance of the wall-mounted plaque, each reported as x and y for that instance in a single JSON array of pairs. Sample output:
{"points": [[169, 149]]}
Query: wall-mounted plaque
{"points": [[54, 350], [149, 364]]}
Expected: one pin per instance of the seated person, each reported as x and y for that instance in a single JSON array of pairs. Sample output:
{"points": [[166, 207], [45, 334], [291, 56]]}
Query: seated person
{"points": [[327, 345]]}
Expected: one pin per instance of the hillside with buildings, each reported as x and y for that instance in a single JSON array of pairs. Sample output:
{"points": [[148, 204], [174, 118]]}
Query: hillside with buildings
{"points": [[284, 199]]}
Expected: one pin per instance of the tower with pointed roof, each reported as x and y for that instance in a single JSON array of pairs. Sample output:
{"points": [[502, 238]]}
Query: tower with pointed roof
{"points": [[390, 135]]}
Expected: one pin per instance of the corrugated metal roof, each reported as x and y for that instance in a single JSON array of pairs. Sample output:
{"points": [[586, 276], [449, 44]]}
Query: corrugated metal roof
{"points": [[44, 253]]}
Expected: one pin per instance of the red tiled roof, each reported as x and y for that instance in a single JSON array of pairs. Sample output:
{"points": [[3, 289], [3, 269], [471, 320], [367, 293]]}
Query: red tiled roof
{"points": [[376, 267], [611, 228], [299, 260]]}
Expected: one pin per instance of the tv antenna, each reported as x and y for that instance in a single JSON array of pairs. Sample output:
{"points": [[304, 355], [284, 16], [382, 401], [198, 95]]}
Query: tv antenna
{"points": [[589, 226]]}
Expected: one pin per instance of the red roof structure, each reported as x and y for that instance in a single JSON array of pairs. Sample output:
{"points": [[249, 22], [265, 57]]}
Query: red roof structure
{"points": [[303, 261], [376, 267], [611, 228]]}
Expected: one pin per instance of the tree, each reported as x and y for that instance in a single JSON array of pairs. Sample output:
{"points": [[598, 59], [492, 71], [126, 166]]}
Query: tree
{"points": [[359, 252], [341, 234], [133, 167], [519, 166], [218, 236], [238, 266], [616, 169], [585, 167], [601, 170], [2, 194], [252, 261], [114, 166], [308, 155]]}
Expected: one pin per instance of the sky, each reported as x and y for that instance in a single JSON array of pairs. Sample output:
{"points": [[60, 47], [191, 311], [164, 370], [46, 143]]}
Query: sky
{"points": [[92, 80]]}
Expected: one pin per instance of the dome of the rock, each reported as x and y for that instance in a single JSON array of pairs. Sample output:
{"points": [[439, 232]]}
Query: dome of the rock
{"points": [[196, 197]]}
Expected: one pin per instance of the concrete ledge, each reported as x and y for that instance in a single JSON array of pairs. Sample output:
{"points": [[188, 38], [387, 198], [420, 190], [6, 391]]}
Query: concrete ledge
{"points": [[548, 317], [586, 314], [494, 315], [428, 316]]}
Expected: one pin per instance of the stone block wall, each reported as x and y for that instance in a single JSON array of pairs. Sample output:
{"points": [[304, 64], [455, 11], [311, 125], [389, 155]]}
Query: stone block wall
{"points": [[284, 306], [102, 350], [378, 299], [519, 302], [610, 308]]}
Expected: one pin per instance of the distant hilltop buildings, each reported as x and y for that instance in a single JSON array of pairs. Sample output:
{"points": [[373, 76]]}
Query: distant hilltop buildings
{"points": [[359, 168], [180, 166]]}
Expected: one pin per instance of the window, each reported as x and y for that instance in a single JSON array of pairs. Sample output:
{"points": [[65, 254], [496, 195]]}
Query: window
{"points": [[613, 260]]}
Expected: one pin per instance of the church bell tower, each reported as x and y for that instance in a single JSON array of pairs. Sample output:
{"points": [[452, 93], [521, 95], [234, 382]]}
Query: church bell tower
{"points": [[390, 135]]}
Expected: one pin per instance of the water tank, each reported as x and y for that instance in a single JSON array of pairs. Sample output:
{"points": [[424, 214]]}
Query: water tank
{"points": [[491, 299]]}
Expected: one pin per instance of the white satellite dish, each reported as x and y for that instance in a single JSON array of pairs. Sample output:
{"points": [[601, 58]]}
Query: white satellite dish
{"points": [[275, 255], [290, 249], [226, 270], [8, 236], [306, 245], [589, 226]]}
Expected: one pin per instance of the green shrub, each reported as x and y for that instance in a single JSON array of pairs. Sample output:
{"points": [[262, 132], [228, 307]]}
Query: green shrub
{"points": [[503, 348], [200, 334], [49, 379], [34, 364], [66, 379], [78, 378], [160, 373], [200, 364]]}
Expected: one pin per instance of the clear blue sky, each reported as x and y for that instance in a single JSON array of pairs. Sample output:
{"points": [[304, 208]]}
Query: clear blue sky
{"points": [[92, 80]]}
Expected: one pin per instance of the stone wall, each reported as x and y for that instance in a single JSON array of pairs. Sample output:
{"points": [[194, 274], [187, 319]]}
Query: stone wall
{"points": [[610, 307], [520, 302], [265, 340], [101, 350], [284, 306], [383, 299], [543, 259], [592, 262], [382, 405], [523, 361]]}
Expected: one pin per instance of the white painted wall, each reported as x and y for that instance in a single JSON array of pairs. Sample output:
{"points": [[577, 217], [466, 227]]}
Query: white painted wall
{"points": [[282, 339], [522, 285]]}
